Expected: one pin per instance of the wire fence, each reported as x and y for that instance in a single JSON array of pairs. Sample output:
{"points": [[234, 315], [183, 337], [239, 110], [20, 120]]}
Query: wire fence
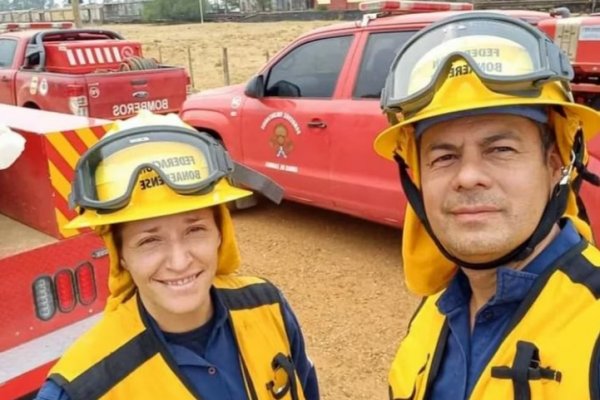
{"points": [[209, 67]]}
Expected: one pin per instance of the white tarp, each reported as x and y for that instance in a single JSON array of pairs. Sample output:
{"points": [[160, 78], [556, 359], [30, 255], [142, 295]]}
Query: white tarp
{"points": [[11, 146]]}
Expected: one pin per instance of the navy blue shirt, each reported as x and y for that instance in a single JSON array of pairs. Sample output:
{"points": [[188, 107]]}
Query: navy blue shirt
{"points": [[467, 353], [208, 358]]}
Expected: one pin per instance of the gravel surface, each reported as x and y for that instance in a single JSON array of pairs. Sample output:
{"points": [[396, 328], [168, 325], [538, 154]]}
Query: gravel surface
{"points": [[343, 277]]}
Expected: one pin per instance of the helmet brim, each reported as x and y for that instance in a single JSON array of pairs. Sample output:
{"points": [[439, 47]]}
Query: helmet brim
{"points": [[180, 203], [386, 142]]}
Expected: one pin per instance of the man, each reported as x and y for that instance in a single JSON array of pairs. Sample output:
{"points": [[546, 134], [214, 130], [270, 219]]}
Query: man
{"points": [[491, 151]]}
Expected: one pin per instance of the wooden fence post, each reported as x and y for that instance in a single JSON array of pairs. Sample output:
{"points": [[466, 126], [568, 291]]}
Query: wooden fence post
{"points": [[159, 50], [190, 66], [225, 66], [267, 56]]}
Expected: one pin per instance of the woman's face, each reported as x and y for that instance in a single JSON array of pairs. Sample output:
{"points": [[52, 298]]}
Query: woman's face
{"points": [[173, 261]]}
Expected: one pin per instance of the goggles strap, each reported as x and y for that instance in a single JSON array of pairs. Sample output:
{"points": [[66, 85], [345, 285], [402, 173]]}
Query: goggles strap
{"points": [[583, 174], [553, 211], [257, 182]]}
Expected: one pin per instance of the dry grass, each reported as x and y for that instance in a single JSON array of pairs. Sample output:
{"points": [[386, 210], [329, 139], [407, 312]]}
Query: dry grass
{"points": [[247, 44]]}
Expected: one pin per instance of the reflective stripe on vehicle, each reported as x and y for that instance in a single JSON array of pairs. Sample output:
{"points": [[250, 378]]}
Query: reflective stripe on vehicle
{"points": [[96, 55], [35, 353]]}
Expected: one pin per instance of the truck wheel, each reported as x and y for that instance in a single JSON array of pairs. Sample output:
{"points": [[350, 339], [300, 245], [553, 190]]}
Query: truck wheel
{"points": [[241, 204]]}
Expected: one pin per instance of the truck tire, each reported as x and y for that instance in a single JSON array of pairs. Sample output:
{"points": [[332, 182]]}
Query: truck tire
{"points": [[241, 204], [244, 203]]}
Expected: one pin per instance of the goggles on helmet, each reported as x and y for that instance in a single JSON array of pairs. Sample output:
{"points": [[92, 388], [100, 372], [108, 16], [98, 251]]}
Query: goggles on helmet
{"points": [[189, 162], [508, 55]]}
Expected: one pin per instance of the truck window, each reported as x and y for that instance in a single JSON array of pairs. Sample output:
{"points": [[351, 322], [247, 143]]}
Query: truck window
{"points": [[380, 51], [7, 52], [310, 70]]}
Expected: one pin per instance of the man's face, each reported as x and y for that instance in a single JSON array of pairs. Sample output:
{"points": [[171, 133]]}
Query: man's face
{"points": [[485, 182]]}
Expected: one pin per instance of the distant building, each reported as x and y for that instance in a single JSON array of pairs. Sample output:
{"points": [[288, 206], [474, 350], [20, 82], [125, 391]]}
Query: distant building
{"points": [[339, 4], [275, 5]]}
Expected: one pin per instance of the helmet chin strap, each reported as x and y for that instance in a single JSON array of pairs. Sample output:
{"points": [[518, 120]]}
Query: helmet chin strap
{"points": [[553, 211]]}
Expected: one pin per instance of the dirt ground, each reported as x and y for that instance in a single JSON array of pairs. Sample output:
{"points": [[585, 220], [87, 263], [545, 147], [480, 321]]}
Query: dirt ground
{"points": [[247, 46], [344, 280]]}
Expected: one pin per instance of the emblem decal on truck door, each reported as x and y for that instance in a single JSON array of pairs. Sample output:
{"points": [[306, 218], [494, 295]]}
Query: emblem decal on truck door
{"points": [[281, 141], [283, 115], [281, 137]]}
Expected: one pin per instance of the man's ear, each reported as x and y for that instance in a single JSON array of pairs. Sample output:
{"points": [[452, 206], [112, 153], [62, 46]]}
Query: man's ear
{"points": [[123, 263], [555, 163]]}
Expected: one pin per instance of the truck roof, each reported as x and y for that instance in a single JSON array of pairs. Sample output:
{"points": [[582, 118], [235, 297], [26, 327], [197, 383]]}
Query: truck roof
{"points": [[420, 19], [23, 34], [29, 33]]}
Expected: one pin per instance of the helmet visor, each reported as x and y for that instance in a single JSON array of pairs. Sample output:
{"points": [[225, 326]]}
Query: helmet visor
{"points": [[508, 55], [188, 162]]}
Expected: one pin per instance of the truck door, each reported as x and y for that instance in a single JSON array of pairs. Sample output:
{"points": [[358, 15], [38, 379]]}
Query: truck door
{"points": [[8, 47], [362, 182], [286, 134]]}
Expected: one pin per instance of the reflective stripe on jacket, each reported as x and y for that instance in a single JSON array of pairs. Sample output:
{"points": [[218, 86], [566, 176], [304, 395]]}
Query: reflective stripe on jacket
{"points": [[120, 358]]}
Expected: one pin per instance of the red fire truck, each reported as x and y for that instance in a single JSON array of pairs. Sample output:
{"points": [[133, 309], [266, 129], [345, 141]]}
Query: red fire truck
{"points": [[308, 119], [579, 37], [53, 280], [86, 72]]}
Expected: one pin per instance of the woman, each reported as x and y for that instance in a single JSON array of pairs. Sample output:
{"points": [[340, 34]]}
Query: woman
{"points": [[179, 323]]}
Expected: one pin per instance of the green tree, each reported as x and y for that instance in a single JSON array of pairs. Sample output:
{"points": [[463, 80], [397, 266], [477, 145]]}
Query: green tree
{"points": [[263, 5], [27, 4]]}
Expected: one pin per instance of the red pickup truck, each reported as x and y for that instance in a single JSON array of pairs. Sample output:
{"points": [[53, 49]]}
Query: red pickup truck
{"points": [[308, 119], [85, 72]]}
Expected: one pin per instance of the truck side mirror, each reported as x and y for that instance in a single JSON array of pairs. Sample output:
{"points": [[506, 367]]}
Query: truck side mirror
{"points": [[255, 88]]}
